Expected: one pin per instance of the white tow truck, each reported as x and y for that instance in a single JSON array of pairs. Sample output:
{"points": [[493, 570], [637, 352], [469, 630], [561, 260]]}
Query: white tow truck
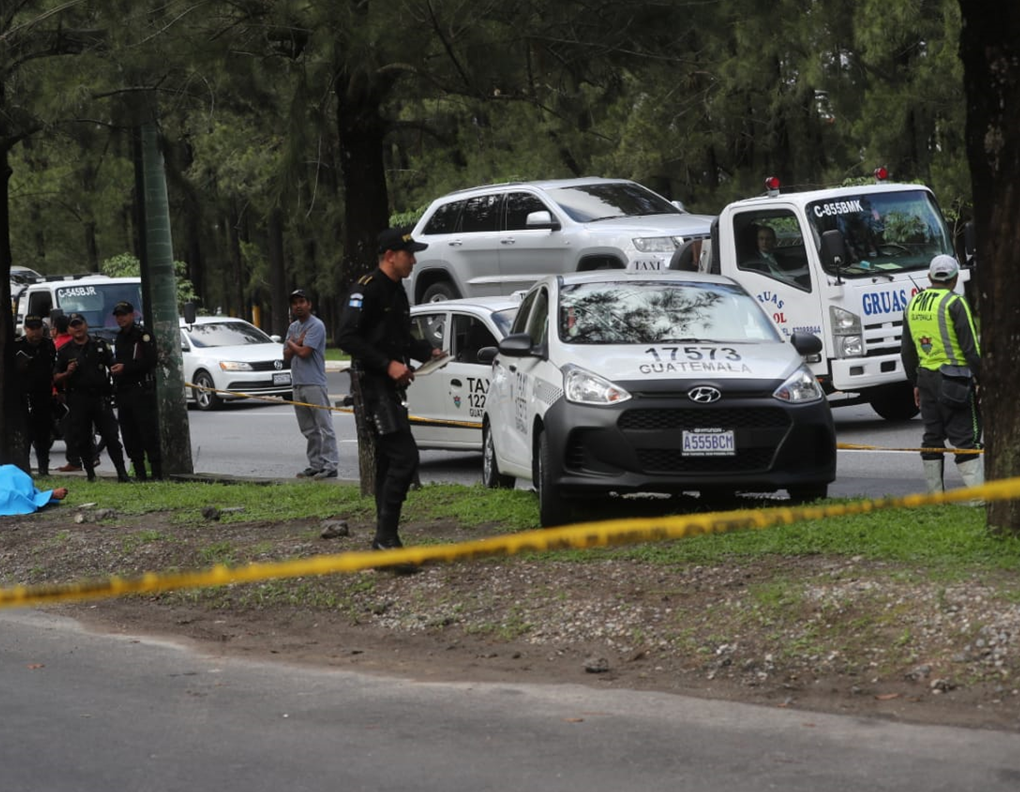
{"points": [[839, 263], [91, 295]]}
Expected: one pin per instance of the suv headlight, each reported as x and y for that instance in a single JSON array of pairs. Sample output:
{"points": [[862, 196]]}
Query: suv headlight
{"points": [[666, 244], [847, 335], [800, 388], [234, 365], [583, 387]]}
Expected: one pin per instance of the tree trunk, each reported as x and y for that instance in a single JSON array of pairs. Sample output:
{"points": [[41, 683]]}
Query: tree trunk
{"points": [[14, 415], [277, 274], [237, 280], [990, 51], [366, 201], [361, 129]]}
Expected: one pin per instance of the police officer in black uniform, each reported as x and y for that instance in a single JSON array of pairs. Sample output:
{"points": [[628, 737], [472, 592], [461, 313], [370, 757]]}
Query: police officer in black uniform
{"points": [[34, 356], [134, 379], [375, 330], [83, 368]]}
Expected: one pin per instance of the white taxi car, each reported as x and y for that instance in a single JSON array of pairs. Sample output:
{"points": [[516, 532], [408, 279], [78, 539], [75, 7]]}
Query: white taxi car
{"points": [[613, 382], [446, 405], [233, 358]]}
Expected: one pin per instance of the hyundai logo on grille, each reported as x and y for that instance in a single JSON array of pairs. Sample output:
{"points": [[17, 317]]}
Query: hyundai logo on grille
{"points": [[704, 394], [277, 364]]}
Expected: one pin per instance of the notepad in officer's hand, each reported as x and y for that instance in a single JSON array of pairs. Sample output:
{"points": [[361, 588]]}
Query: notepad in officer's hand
{"points": [[432, 364]]}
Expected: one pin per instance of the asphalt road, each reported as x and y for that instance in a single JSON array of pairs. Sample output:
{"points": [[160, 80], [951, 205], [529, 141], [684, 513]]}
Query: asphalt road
{"points": [[262, 440], [85, 712]]}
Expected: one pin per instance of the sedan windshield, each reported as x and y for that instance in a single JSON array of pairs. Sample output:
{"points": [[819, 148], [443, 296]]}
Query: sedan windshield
{"points": [[218, 334], [588, 202], [658, 312]]}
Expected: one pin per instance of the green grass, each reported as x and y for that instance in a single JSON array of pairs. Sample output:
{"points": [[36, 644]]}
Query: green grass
{"points": [[945, 540], [335, 353]]}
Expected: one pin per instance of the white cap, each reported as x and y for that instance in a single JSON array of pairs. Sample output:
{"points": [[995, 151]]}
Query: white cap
{"points": [[943, 268]]}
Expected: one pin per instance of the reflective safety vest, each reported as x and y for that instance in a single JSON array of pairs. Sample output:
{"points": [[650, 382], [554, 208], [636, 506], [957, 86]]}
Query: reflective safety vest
{"points": [[932, 329]]}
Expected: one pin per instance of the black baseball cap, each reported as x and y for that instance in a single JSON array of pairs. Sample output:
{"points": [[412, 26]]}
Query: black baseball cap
{"points": [[123, 307], [76, 318], [298, 294], [33, 320], [399, 239]]}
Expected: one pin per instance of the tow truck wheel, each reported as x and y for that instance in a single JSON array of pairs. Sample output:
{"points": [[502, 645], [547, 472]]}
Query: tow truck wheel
{"points": [[895, 403]]}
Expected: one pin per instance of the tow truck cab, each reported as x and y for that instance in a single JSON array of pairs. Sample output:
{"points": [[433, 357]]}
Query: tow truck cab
{"points": [[93, 296], [842, 264]]}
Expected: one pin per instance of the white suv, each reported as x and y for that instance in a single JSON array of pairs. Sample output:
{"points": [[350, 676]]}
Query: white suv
{"points": [[497, 239]]}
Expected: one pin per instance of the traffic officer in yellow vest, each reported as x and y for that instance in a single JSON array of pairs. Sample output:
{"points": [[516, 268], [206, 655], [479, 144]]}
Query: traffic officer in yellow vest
{"points": [[942, 357]]}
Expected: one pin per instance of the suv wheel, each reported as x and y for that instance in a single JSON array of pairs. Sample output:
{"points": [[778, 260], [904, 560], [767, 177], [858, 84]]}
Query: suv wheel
{"points": [[439, 291]]}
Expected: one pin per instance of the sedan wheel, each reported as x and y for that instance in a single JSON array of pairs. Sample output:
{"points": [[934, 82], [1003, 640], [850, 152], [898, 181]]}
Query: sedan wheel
{"points": [[205, 399], [491, 477], [552, 508]]}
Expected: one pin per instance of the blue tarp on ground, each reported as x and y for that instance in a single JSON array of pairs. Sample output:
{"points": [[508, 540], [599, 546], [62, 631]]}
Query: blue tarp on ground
{"points": [[18, 494]]}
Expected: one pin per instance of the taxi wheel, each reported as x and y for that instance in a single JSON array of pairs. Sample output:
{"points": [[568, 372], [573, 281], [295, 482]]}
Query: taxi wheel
{"points": [[205, 399], [806, 493], [491, 477], [552, 509]]}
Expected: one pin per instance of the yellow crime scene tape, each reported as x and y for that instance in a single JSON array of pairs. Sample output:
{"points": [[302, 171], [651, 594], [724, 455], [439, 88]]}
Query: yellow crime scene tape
{"points": [[415, 419], [578, 536]]}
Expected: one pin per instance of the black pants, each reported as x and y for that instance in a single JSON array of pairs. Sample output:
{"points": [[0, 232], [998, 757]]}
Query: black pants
{"points": [[40, 426], [396, 459], [136, 412], [88, 410], [961, 426]]}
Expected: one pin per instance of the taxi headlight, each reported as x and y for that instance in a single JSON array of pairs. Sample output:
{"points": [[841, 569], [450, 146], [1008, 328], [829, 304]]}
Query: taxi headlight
{"points": [[583, 387], [235, 365], [800, 388], [666, 244]]}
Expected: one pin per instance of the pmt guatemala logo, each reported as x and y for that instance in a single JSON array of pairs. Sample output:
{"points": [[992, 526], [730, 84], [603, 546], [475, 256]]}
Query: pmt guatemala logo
{"points": [[926, 344]]}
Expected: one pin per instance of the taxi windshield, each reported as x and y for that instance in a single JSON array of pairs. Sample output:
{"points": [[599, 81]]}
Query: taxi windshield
{"points": [[659, 312], [886, 232]]}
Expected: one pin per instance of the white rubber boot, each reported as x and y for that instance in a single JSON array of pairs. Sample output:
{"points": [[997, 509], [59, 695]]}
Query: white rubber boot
{"points": [[973, 474], [933, 475]]}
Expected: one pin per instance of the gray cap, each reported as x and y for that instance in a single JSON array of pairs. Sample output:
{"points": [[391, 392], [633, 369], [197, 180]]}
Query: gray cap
{"points": [[943, 268]]}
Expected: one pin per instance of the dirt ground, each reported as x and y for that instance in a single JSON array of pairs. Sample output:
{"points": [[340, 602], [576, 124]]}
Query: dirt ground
{"points": [[818, 634]]}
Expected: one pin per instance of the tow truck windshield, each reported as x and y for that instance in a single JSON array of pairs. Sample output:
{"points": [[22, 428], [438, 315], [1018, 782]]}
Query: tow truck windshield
{"points": [[884, 232]]}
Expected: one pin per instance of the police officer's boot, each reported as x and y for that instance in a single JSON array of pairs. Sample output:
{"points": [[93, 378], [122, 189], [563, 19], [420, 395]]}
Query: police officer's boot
{"points": [[139, 465], [973, 474], [90, 471], [44, 461], [386, 536], [933, 475], [122, 474]]}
